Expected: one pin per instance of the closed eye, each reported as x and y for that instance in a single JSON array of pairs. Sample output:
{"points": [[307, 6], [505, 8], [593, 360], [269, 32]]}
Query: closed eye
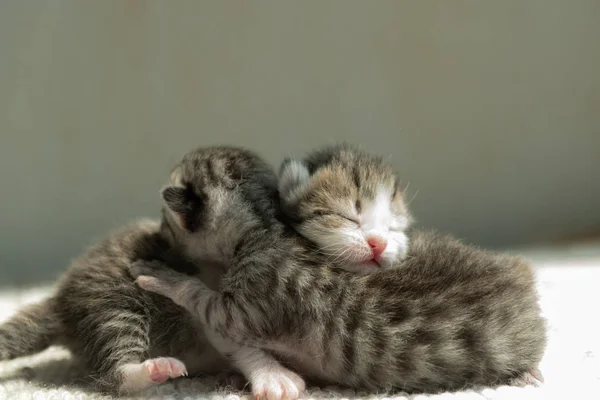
{"points": [[354, 221], [321, 213]]}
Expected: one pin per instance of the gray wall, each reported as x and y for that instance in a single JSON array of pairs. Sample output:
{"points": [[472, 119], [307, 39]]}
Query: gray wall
{"points": [[490, 109]]}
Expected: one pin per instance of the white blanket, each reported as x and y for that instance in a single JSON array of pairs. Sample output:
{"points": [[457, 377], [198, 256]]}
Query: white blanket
{"points": [[569, 283]]}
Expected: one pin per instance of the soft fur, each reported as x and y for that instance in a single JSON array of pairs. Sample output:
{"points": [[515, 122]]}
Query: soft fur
{"points": [[450, 317], [120, 333], [350, 204], [127, 338]]}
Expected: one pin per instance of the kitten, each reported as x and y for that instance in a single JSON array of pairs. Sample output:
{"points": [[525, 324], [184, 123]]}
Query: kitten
{"points": [[451, 316], [128, 338], [339, 198], [350, 204]]}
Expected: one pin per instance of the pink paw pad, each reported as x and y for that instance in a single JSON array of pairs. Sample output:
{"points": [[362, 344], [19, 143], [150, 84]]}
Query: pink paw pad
{"points": [[161, 369]]}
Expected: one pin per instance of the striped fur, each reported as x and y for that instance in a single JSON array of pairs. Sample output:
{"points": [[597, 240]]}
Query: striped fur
{"points": [[451, 316], [109, 323], [31, 330], [342, 198], [127, 338]]}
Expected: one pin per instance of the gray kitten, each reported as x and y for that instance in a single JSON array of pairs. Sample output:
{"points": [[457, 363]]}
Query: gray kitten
{"points": [[128, 338], [451, 316]]}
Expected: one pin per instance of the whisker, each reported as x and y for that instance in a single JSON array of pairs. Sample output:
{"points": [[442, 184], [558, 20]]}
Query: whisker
{"points": [[406, 188], [411, 200], [342, 254], [333, 245]]}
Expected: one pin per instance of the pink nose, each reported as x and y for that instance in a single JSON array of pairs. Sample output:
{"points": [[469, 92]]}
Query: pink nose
{"points": [[377, 245]]}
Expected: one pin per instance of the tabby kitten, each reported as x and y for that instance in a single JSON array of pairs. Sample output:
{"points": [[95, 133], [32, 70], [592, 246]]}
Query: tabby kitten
{"points": [[339, 198], [128, 338], [349, 203], [451, 316]]}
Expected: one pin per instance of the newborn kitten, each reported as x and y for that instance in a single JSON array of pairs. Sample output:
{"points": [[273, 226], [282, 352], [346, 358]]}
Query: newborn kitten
{"points": [[452, 316], [128, 338], [350, 204]]}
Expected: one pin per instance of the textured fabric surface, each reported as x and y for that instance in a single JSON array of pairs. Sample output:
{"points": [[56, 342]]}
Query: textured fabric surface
{"points": [[569, 283]]}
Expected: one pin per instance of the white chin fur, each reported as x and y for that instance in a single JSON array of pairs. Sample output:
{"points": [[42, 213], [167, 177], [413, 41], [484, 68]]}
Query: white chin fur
{"points": [[356, 258], [348, 249]]}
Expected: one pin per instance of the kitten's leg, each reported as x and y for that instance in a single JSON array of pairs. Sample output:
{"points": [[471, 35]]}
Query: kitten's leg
{"points": [[269, 379], [116, 347], [193, 295], [32, 329], [217, 314]]}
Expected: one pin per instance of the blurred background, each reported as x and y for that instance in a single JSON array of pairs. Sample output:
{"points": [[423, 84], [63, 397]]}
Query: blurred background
{"points": [[491, 110]]}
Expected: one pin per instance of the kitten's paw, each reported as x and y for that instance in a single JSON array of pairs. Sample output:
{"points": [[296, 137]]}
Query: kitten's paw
{"points": [[277, 384], [533, 377], [156, 370], [145, 267], [163, 368], [150, 284], [154, 276]]}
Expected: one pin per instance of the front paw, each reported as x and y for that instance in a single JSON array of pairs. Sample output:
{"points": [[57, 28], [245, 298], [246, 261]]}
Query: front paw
{"points": [[277, 384], [154, 276], [146, 267], [151, 284]]}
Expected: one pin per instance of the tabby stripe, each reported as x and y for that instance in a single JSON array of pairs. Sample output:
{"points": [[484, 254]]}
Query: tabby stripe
{"points": [[379, 346], [207, 308], [354, 317], [332, 326]]}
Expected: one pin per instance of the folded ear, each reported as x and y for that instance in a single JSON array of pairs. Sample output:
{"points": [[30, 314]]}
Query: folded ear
{"points": [[184, 204], [293, 178]]}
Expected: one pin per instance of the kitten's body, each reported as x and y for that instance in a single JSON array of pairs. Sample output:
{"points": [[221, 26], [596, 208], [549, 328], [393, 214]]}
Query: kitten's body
{"points": [[122, 333], [451, 316], [109, 322], [113, 326]]}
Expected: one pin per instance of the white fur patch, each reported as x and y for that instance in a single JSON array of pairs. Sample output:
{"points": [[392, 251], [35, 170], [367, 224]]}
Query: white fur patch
{"points": [[376, 216], [292, 179], [348, 246], [268, 378]]}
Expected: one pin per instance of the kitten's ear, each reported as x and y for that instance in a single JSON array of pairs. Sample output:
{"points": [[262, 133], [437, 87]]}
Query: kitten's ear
{"points": [[184, 204], [293, 177], [175, 198]]}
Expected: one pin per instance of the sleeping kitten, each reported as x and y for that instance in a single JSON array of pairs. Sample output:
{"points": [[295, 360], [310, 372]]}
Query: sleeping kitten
{"points": [[350, 204], [128, 338], [451, 316], [339, 198]]}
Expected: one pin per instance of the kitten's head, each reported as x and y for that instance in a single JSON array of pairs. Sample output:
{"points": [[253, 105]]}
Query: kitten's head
{"points": [[213, 196], [350, 204]]}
